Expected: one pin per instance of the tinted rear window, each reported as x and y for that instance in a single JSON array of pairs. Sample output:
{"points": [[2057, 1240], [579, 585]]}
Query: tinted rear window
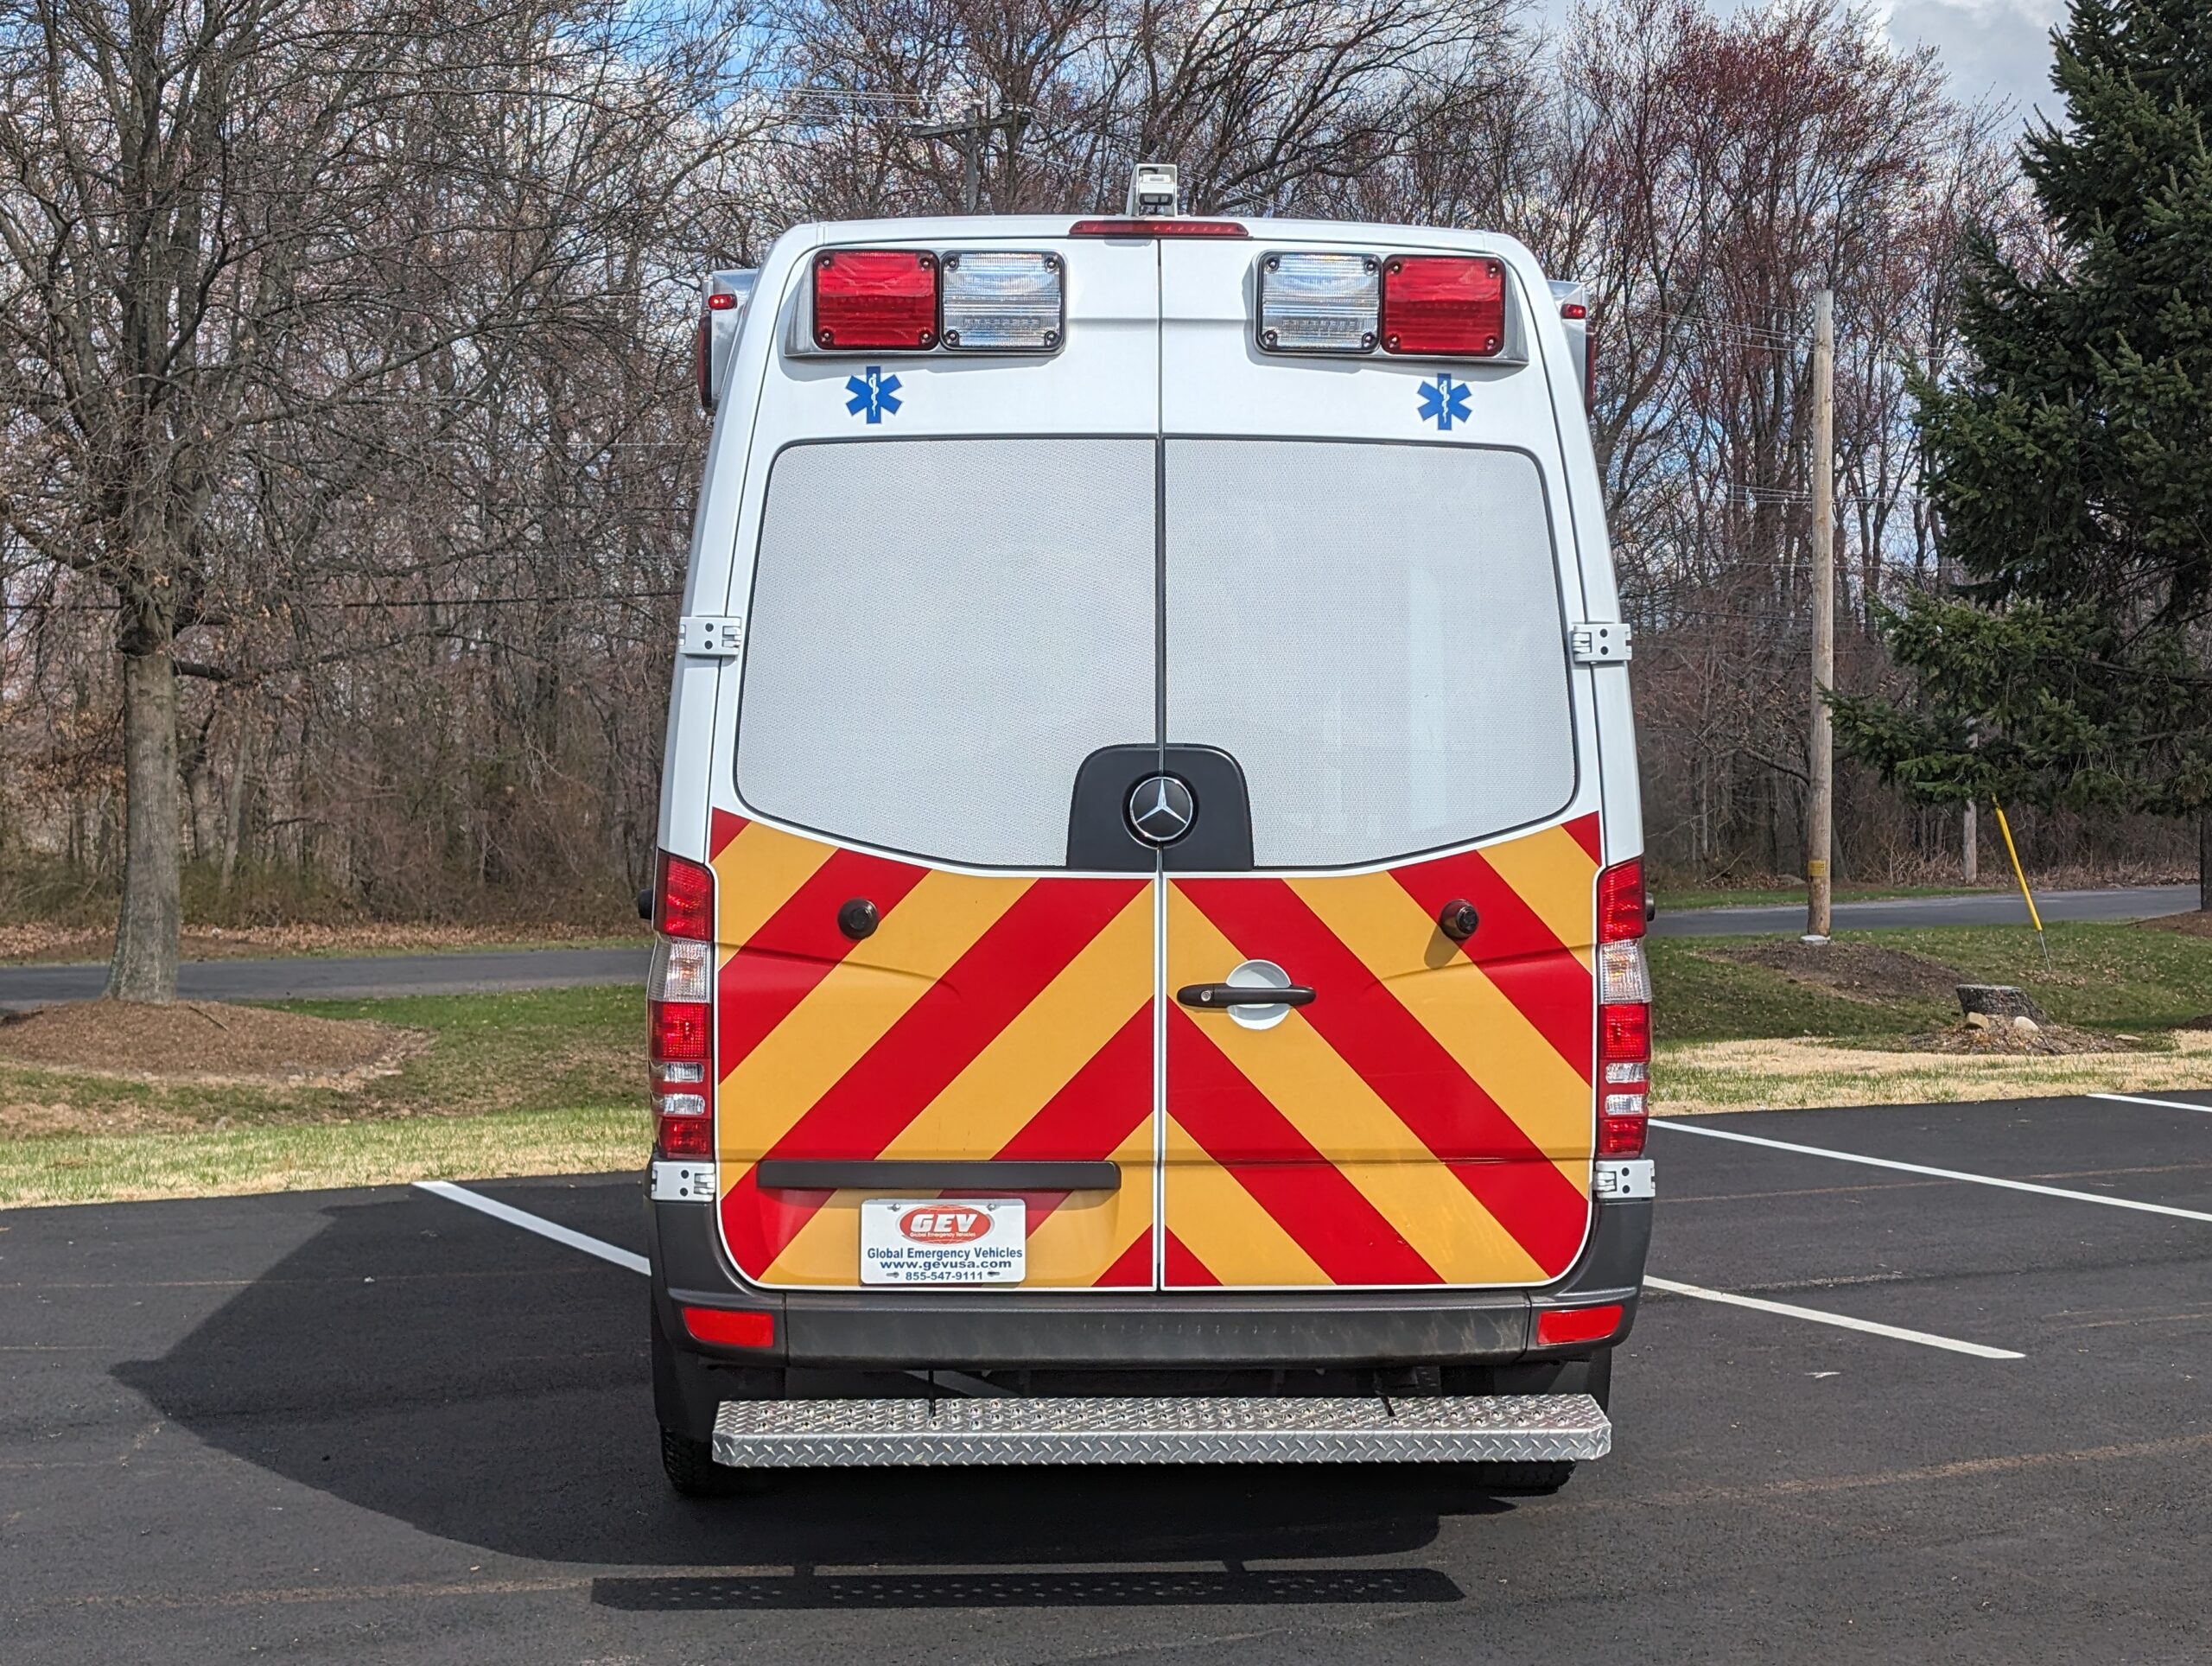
{"points": [[941, 631], [1374, 633]]}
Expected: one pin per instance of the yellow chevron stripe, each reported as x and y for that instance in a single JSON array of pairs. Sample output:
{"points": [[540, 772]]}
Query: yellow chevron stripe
{"points": [[1082, 1238], [1509, 1058], [1555, 876], [826, 1249], [1345, 1120], [846, 1014], [1020, 1069], [757, 873], [1221, 1223]]}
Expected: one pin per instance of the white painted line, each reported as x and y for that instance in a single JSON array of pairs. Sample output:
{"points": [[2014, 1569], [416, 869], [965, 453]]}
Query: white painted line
{"points": [[1940, 1174], [2138, 1099], [1845, 1320], [530, 1223]]}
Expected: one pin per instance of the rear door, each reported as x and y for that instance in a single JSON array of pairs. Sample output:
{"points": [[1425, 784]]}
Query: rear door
{"points": [[1364, 609], [949, 586]]}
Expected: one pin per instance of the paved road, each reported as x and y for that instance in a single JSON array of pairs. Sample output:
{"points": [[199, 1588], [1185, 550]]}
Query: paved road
{"points": [[1980, 908], [315, 978], [376, 1426], [545, 969]]}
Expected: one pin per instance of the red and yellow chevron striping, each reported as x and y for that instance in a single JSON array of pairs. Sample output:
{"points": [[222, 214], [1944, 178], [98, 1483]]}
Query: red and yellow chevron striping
{"points": [[1427, 1121]]}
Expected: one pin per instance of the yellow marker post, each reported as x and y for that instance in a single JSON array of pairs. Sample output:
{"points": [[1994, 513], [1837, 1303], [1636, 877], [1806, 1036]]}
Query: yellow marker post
{"points": [[2026, 895]]}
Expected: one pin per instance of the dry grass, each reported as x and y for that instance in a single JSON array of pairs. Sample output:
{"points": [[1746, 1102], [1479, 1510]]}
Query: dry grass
{"points": [[205, 1042], [1788, 1075], [203, 1163]]}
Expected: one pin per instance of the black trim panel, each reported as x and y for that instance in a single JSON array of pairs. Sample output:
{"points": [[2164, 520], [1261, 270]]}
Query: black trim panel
{"points": [[799, 1174]]}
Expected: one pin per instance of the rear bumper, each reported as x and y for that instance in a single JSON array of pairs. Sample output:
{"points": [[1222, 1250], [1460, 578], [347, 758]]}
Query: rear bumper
{"points": [[1140, 1330]]}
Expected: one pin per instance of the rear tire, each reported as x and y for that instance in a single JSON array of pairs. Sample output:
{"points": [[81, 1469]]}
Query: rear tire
{"points": [[1527, 1480], [691, 1470]]}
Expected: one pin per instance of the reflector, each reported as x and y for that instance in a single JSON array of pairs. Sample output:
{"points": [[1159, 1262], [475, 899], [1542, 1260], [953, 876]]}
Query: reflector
{"points": [[1447, 304], [1319, 303], [1002, 302], [729, 1330], [875, 299], [1558, 1325]]}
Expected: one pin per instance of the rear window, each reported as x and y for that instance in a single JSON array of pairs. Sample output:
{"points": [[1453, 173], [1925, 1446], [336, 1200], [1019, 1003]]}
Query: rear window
{"points": [[941, 631], [1374, 633]]}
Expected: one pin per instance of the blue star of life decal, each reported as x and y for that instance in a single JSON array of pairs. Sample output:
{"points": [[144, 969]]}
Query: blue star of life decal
{"points": [[877, 394], [1443, 402]]}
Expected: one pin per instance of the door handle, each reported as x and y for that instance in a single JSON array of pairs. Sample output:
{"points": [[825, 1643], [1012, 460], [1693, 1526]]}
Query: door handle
{"points": [[1243, 994]]}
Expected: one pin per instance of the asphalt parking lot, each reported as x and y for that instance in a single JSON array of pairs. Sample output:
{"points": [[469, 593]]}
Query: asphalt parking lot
{"points": [[380, 1425]]}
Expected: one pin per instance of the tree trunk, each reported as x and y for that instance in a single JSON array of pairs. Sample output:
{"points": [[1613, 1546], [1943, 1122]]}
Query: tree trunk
{"points": [[234, 810], [2204, 859], [144, 968], [1970, 844]]}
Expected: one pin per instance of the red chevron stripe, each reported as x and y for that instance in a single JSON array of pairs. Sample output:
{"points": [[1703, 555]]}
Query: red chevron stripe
{"points": [[1309, 1196], [721, 828], [1585, 831], [757, 1225], [1184, 1270], [1100, 1105], [797, 947], [1132, 1268], [1517, 949], [1408, 1067], [935, 1039]]}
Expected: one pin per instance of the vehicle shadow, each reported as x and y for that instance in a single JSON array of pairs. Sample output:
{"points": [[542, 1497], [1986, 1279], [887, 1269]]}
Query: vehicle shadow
{"points": [[488, 1387]]}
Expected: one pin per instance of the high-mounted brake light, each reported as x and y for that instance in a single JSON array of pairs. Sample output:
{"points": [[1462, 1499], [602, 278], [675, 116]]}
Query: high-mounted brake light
{"points": [[679, 1010], [1129, 226], [721, 316], [1008, 302], [1451, 305], [1624, 1012], [876, 299], [1319, 303]]}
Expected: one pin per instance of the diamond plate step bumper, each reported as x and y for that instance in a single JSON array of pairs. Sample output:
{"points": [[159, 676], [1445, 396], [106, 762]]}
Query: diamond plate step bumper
{"points": [[1456, 1428]]}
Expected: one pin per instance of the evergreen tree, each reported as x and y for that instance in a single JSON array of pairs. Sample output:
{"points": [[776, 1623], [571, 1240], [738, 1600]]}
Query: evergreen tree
{"points": [[2070, 462]]}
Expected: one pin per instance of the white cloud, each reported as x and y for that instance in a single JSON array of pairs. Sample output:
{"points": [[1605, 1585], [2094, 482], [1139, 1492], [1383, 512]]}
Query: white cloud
{"points": [[1996, 49]]}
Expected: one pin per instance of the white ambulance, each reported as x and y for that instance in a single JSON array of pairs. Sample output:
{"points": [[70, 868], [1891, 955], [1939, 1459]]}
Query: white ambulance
{"points": [[1149, 915]]}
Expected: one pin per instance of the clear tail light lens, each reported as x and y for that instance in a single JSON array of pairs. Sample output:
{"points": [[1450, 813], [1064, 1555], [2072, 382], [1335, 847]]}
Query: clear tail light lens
{"points": [[1002, 302], [1319, 303], [1623, 1013], [875, 299], [1451, 306]]}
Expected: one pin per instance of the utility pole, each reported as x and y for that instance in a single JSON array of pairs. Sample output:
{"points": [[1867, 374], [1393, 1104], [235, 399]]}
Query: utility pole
{"points": [[969, 133], [1820, 818]]}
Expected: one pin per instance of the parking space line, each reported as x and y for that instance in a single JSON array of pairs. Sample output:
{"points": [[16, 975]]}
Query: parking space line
{"points": [[2138, 1099], [1940, 1174], [1927, 1340], [530, 1223]]}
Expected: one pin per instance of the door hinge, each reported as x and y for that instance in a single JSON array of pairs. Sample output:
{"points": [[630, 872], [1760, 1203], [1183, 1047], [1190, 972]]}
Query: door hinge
{"points": [[710, 636], [1600, 645]]}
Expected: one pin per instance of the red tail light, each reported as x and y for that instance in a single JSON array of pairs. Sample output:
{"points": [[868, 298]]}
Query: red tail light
{"points": [[680, 1011], [1620, 902], [875, 298], [1624, 1012], [1453, 305], [1169, 227], [683, 900]]}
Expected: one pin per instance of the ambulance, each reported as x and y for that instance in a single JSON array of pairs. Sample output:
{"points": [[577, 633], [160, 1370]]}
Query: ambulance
{"points": [[1148, 915]]}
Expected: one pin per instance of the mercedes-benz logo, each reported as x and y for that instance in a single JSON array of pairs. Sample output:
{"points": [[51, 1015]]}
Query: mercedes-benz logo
{"points": [[1162, 809]]}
